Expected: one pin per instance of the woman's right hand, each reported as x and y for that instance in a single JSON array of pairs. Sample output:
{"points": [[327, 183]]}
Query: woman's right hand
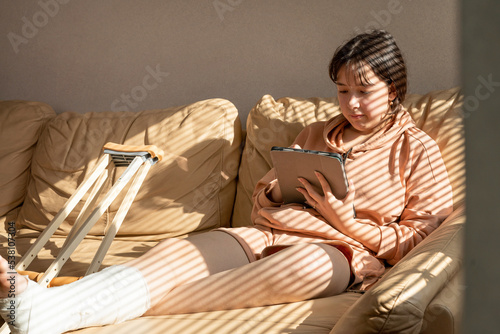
{"points": [[275, 192]]}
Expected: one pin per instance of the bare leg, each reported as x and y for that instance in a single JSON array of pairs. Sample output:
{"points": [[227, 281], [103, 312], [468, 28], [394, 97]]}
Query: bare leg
{"points": [[297, 273], [174, 262]]}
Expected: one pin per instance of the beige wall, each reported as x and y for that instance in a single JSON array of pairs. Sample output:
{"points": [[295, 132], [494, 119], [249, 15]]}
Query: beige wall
{"points": [[122, 54], [481, 77]]}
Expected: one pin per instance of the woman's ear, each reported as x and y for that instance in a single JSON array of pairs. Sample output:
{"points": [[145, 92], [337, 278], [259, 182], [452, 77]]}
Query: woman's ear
{"points": [[392, 92]]}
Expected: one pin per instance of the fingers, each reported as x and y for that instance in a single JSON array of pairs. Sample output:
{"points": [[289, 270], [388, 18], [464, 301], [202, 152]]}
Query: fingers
{"points": [[324, 183], [306, 195], [351, 185], [4, 265], [311, 196], [308, 188], [325, 186], [350, 192]]}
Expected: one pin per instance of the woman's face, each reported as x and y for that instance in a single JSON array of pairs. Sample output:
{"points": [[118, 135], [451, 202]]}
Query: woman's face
{"points": [[365, 105]]}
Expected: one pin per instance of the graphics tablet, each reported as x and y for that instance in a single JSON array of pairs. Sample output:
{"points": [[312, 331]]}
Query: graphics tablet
{"points": [[292, 163]]}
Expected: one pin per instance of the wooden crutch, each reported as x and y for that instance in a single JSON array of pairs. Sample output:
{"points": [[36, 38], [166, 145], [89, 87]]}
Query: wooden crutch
{"points": [[138, 160]]}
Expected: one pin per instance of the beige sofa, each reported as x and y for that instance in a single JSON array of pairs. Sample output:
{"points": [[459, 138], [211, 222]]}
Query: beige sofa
{"points": [[206, 181]]}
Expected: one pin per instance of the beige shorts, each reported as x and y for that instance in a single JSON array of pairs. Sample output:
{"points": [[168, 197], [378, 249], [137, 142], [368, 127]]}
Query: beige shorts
{"points": [[257, 242]]}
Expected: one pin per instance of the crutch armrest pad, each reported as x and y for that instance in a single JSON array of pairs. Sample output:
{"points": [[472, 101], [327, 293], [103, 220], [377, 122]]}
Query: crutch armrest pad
{"points": [[153, 150]]}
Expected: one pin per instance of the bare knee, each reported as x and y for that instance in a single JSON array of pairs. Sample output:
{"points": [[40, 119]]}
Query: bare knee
{"points": [[313, 270]]}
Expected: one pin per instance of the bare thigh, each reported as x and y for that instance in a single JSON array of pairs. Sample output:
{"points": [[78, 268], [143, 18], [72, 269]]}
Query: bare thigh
{"points": [[297, 273], [175, 261]]}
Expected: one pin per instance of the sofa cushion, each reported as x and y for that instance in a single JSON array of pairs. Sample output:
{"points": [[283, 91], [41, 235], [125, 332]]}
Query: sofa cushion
{"points": [[312, 316], [277, 123], [191, 189], [440, 115], [21, 123]]}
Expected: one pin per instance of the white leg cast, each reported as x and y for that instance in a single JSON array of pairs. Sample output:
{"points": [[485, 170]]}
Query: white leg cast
{"points": [[114, 295]]}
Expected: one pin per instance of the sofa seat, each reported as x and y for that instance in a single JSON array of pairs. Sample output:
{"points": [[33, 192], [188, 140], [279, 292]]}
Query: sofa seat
{"points": [[313, 316]]}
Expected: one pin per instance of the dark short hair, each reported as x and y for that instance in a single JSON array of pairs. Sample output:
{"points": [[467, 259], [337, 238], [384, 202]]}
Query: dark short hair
{"points": [[377, 49]]}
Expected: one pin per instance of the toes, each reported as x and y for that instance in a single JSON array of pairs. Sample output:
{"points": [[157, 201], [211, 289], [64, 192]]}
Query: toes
{"points": [[4, 265]]}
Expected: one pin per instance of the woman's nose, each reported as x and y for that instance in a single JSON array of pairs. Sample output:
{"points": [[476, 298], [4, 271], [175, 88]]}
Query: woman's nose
{"points": [[353, 101]]}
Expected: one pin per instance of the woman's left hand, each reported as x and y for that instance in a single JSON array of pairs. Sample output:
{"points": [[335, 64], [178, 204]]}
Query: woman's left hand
{"points": [[338, 212]]}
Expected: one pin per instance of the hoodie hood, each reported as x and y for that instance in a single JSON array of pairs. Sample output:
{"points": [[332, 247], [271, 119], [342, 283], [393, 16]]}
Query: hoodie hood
{"points": [[335, 127]]}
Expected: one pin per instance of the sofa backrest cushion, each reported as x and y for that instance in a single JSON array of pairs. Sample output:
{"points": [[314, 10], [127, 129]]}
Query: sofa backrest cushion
{"points": [[21, 123], [277, 122], [191, 189], [440, 115]]}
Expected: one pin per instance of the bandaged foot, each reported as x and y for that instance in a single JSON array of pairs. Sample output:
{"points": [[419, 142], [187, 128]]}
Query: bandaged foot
{"points": [[114, 295]]}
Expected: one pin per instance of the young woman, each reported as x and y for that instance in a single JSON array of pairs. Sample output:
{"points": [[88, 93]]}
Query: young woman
{"points": [[398, 194]]}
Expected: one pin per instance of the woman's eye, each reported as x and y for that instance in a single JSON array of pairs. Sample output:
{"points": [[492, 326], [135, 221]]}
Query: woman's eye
{"points": [[342, 91]]}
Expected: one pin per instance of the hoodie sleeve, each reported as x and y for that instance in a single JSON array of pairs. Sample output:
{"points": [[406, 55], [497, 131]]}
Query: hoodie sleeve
{"points": [[262, 193], [429, 199], [261, 196]]}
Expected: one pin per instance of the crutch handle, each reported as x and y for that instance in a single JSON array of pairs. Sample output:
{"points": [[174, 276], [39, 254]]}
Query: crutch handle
{"points": [[153, 150], [56, 281]]}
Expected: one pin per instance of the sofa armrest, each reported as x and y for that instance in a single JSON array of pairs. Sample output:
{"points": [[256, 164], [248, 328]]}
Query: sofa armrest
{"points": [[444, 313], [397, 303]]}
